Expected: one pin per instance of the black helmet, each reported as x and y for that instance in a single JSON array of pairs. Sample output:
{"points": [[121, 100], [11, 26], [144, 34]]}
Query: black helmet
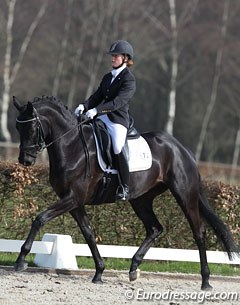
{"points": [[121, 47]]}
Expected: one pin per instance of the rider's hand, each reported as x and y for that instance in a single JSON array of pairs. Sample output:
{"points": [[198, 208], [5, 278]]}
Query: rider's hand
{"points": [[91, 113], [79, 110]]}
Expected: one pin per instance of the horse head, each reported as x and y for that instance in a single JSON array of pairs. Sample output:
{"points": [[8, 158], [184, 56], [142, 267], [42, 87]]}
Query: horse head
{"points": [[30, 130]]}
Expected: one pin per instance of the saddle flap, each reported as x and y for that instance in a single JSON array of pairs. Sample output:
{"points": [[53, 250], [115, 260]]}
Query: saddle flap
{"points": [[104, 143]]}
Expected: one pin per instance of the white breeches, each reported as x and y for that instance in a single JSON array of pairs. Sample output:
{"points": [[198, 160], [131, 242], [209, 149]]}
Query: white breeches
{"points": [[118, 133]]}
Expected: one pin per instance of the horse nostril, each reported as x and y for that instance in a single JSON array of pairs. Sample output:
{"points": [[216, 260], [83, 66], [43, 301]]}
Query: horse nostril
{"points": [[29, 162], [21, 161], [26, 161]]}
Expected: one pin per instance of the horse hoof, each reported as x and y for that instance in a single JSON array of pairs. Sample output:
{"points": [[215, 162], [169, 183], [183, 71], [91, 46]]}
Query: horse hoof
{"points": [[206, 287], [20, 266], [97, 281], [134, 275]]}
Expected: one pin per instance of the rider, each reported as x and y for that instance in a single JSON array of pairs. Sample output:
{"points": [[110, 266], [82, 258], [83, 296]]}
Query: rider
{"points": [[111, 103]]}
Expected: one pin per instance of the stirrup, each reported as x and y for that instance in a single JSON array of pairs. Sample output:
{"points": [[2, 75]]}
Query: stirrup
{"points": [[122, 193]]}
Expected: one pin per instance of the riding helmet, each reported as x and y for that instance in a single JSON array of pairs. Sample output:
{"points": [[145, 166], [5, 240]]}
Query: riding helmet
{"points": [[121, 47]]}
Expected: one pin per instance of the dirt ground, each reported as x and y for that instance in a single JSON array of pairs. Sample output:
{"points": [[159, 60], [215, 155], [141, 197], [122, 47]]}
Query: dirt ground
{"points": [[43, 287]]}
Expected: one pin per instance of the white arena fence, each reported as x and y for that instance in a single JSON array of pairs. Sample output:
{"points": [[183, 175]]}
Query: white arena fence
{"points": [[59, 252]]}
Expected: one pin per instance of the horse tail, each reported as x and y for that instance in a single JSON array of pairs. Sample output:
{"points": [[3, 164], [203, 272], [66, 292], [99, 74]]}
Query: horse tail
{"points": [[220, 229]]}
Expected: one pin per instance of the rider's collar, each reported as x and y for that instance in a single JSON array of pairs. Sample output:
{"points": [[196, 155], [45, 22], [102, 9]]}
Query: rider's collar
{"points": [[115, 72]]}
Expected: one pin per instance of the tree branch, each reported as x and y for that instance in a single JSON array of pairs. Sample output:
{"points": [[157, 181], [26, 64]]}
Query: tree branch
{"points": [[216, 78]]}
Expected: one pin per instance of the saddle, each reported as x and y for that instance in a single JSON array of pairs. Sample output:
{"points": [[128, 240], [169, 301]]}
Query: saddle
{"points": [[105, 143], [136, 149]]}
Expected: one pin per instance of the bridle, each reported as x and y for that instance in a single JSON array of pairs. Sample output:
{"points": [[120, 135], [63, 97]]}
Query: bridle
{"points": [[40, 144]]}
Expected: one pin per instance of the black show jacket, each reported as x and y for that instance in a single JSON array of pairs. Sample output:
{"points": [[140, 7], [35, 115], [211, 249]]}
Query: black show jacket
{"points": [[113, 99]]}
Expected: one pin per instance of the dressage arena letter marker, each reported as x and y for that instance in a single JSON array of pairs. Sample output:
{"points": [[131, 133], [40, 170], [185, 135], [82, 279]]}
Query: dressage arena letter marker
{"points": [[62, 256]]}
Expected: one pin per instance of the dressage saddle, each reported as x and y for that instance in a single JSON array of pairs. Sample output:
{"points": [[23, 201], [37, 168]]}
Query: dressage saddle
{"points": [[105, 143]]}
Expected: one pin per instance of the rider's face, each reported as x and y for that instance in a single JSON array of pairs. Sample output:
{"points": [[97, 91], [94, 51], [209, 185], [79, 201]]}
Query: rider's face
{"points": [[117, 60]]}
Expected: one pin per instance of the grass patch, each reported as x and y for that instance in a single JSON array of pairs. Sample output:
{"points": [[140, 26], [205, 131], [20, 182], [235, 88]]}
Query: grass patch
{"points": [[166, 266], [8, 259], [190, 267]]}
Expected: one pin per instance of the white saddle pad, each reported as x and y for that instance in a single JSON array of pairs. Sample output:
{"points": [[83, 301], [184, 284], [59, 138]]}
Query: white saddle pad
{"points": [[140, 157]]}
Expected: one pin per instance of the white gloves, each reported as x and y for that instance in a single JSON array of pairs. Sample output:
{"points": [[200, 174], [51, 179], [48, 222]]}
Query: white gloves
{"points": [[91, 113], [79, 110]]}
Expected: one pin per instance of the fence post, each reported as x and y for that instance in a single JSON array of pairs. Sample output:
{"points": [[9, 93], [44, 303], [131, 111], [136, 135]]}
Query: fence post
{"points": [[62, 256]]}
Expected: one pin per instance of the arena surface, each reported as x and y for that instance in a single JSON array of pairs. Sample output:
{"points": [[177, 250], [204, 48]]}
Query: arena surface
{"points": [[50, 287]]}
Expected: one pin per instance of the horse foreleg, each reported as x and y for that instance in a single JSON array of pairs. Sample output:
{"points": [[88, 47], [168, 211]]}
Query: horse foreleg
{"points": [[81, 217], [144, 211], [60, 207]]}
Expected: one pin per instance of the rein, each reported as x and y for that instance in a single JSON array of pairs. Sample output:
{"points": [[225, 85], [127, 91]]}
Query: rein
{"points": [[67, 132]]}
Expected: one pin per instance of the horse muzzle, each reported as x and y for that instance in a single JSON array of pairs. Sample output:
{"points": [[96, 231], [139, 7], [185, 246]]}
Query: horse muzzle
{"points": [[26, 158]]}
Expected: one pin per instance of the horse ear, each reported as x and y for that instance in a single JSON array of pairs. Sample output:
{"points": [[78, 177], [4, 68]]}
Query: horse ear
{"points": [[30, 108], [17, 104]]}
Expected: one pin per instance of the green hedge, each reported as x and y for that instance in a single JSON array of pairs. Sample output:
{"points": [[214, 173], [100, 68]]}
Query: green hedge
{"points": [[25, 191]]}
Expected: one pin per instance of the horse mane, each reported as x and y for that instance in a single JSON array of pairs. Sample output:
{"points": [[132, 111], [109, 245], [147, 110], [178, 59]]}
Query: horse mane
{"points": [[55, 103]]}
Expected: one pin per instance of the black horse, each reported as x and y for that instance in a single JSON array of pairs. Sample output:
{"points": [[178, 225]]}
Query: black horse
{"points": [[46, 122]]}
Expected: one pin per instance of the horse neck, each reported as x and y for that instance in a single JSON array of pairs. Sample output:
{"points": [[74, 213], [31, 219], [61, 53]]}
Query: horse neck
{"points": [[66, 145], [70, 159], [59, 130], [55, 125]]}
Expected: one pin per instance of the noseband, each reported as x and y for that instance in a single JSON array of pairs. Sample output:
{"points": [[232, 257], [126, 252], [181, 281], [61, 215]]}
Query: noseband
{"points": [[40, 142]]}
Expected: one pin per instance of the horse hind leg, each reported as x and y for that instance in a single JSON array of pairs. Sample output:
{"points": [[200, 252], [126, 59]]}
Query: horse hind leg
{"points": [[143, 209], [190, 206], [199, 236]]}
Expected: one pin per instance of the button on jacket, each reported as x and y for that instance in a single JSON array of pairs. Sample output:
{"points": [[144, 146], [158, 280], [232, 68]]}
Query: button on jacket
{"points": [[113, 98]]}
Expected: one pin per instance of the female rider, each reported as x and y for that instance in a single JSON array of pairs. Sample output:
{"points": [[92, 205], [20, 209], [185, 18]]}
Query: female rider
{"points": [[110, 103]]}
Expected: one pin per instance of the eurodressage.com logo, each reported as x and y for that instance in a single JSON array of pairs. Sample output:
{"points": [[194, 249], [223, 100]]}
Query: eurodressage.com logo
{"points": [[169, 295]]}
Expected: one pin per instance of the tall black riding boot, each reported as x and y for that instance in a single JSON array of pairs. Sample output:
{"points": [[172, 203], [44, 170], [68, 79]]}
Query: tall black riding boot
{"points": [[123, 170]]}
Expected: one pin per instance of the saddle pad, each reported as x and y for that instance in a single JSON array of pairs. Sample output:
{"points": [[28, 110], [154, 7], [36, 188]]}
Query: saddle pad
{"points": [[140, 157]]}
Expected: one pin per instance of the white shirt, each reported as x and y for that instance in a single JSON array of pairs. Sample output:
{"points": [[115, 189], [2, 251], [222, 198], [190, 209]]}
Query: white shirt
{"points": [[115, 72]]}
